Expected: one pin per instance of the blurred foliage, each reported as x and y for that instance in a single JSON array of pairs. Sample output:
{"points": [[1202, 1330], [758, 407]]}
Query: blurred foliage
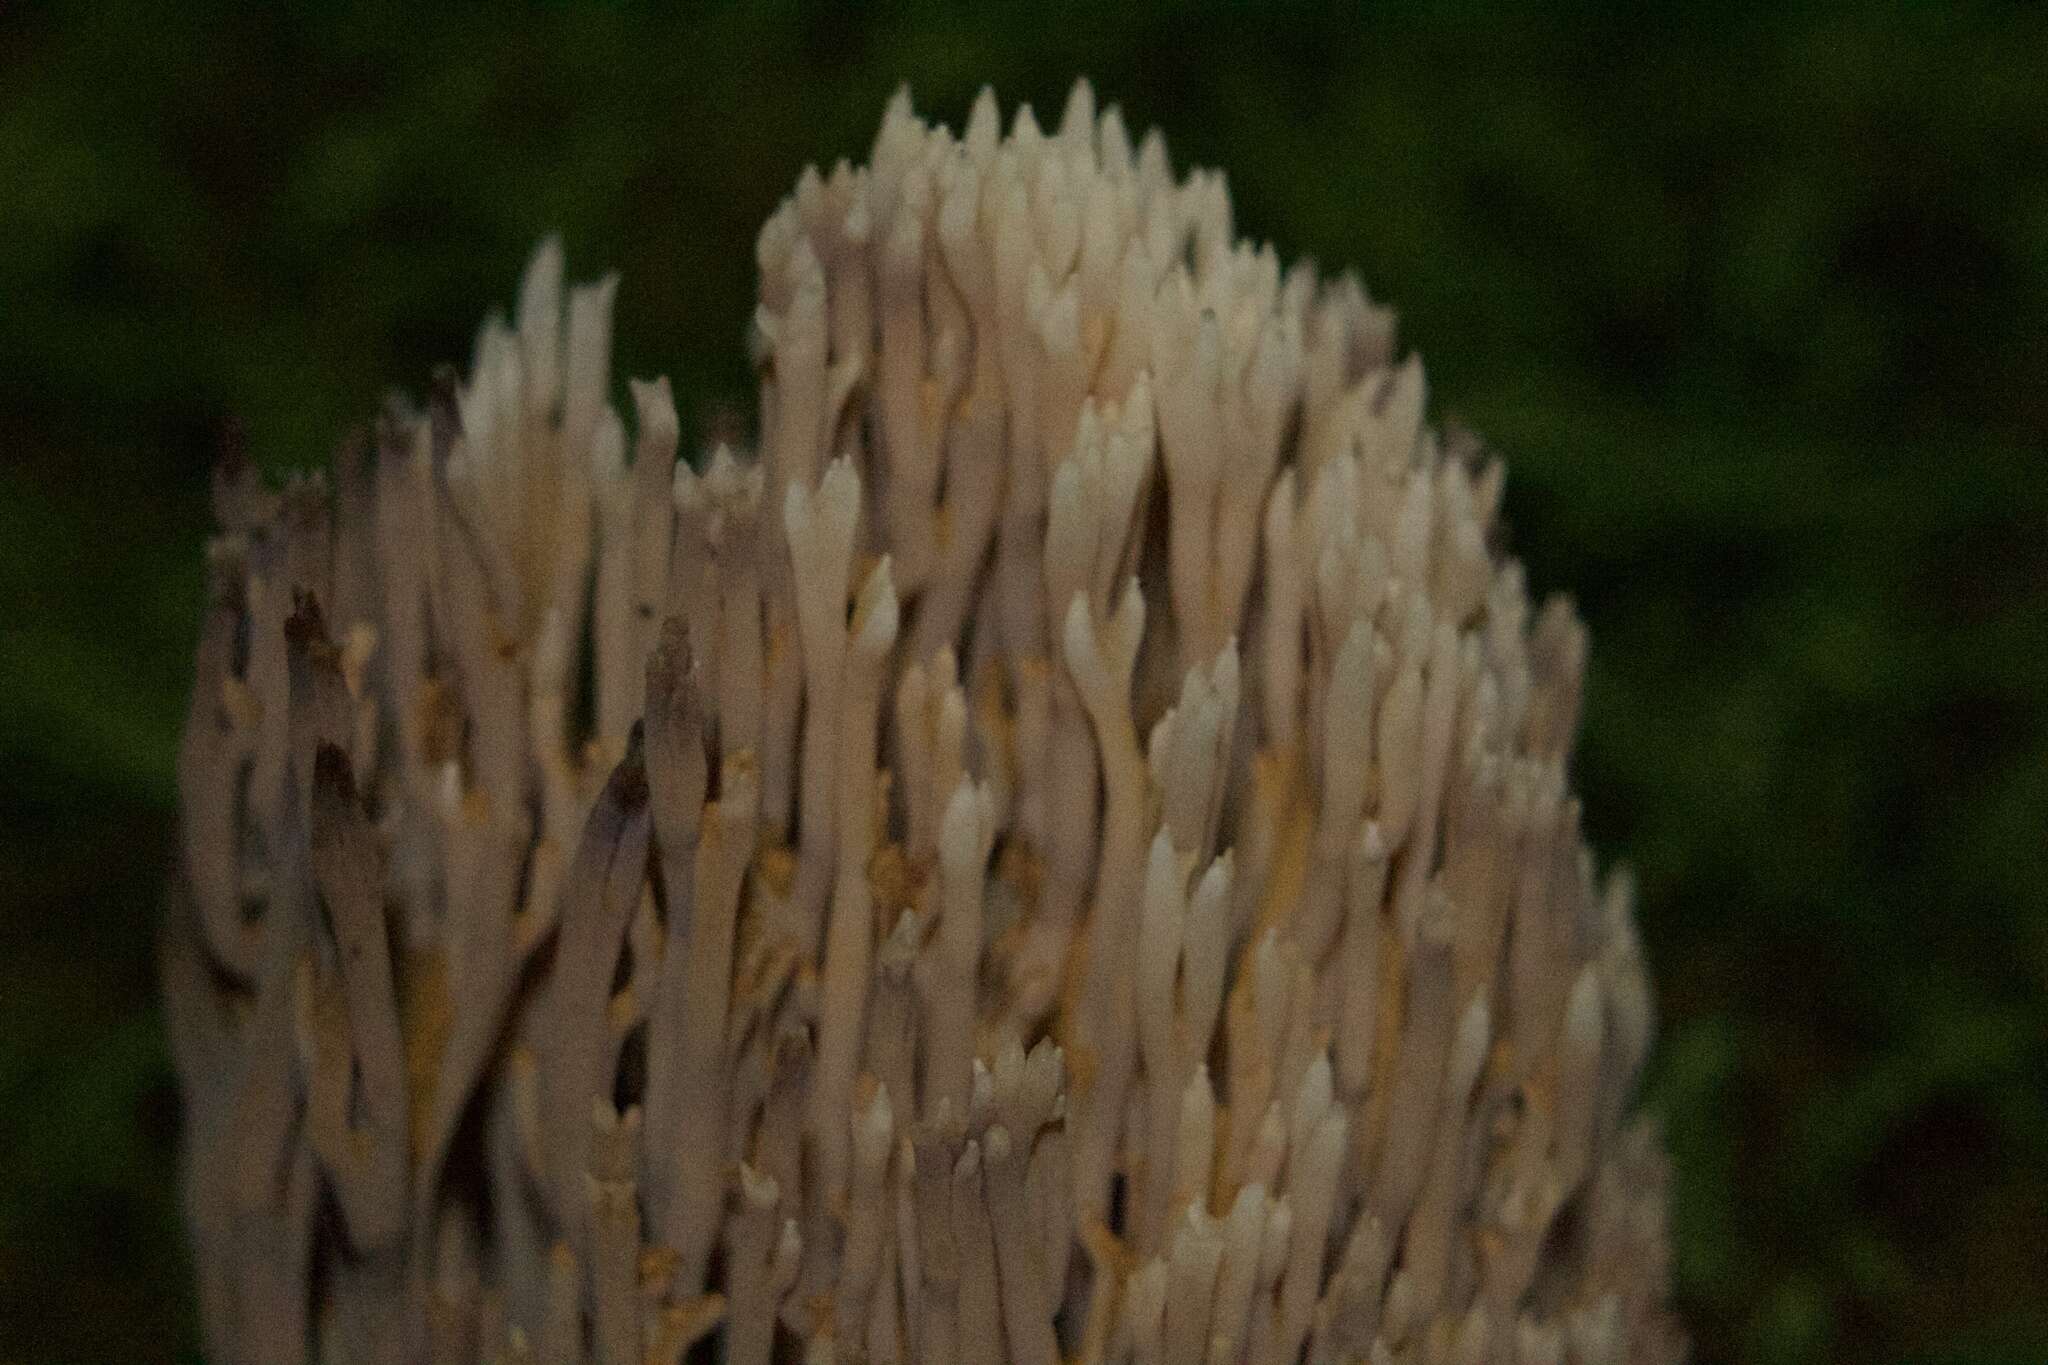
{"points": [[1755, 301]]}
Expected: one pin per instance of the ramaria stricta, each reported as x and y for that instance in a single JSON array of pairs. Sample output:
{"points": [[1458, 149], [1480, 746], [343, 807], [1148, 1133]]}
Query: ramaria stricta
{"points": [[1064, 854]]}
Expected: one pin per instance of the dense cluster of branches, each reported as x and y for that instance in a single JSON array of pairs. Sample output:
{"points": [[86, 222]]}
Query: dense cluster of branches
{"points": [[1065, 855]]}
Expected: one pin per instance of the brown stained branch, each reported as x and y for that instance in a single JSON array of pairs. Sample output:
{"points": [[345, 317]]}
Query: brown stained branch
{"points": [[358, 1041]]}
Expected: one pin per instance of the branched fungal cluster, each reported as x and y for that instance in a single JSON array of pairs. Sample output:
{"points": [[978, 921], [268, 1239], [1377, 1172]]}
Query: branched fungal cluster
{"points": [[1065, 856]]}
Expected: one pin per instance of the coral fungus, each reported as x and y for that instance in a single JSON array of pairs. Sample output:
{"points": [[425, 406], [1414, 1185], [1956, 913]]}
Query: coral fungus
{"points": [[1065, 854]]}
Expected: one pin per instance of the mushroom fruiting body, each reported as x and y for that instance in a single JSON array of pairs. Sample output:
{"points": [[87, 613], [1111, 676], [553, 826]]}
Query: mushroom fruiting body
{"points": [[1064, 855]]}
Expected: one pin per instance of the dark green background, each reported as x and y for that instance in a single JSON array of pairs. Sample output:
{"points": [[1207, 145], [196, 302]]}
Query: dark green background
{"points": [[1755, 304]]}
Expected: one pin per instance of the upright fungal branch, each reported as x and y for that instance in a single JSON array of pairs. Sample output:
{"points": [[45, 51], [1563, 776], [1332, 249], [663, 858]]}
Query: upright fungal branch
{"points": [[1065, 855]]}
